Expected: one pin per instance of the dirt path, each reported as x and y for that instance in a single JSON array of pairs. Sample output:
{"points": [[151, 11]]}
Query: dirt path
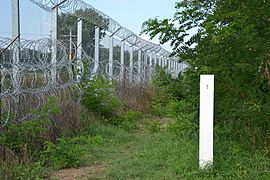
{"points": [[82, 173]]}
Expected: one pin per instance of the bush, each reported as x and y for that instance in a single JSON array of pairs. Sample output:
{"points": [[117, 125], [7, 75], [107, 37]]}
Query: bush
{"points": [[65, 153], [172, 86], [21, 144], [22, 172], [29, 135], [127, 120], [157, 109], [99, 96]]}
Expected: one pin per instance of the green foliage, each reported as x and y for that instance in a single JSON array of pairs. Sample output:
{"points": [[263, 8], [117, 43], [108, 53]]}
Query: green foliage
{"points": [[167, 155], [231, 42], [157, 109], [65, 153], [127, 120], [166, 101], [154, 126], [22, 171], [99, 96], [26, 135], [170, 87], [24, 142], [29, 135]]}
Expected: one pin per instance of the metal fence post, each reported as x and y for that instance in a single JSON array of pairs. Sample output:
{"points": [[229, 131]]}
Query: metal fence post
{"points": [[70, 45], [16, 35], [131, 64], [139, 65], [111, 58], [169, 65], [96, 64], [160, 61], [54, 43], [145, 66], [122, 59], [150, 65], [79, 49], [155, 59]]}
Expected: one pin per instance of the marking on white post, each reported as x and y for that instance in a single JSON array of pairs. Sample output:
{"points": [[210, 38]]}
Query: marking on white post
{"points": [[206, 120]]}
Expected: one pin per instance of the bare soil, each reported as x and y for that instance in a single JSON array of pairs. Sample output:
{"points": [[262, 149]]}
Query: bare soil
{"points": [[82, 173]]}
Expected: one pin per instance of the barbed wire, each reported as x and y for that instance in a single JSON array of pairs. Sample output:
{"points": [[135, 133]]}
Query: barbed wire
{"points": [[87, 12], [27, 84], [29, 74]]}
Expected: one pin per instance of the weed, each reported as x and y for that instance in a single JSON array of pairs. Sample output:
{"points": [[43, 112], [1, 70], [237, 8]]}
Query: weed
{"points": [[99, 96], [127, 120], [65, 153]]}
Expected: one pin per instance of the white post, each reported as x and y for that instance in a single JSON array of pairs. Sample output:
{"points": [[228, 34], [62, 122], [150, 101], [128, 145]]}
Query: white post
{"points": [[122, 59], [206, 120], [111, 58], [131, 64], [96, 64], [79, 48], [15, 34], [54, 43]]}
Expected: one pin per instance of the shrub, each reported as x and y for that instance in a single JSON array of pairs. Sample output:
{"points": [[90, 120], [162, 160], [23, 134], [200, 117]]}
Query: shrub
{"points": [[157, 109], [65, 153], [127, 120], [99, 96], [22, 172], [29, 135]]}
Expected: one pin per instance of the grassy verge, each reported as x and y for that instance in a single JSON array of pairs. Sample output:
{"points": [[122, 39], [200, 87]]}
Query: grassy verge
{"points": [[164, 154], [152, 150]]}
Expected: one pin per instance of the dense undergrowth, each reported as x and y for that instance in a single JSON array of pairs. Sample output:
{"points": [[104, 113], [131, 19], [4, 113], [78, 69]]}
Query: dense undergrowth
{"points": [[158, 142]]}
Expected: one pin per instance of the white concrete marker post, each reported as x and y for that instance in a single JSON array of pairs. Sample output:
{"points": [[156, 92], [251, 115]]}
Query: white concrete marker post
{"points": [[206, 120]]}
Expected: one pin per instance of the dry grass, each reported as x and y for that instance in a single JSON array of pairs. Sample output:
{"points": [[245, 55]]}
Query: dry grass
{"points": [[136, 96]]}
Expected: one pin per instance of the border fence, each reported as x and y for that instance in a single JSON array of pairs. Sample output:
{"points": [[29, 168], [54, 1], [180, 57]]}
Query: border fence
{"points": [[83, 42]]}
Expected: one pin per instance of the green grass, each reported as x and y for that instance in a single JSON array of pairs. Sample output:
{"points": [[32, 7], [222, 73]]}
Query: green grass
{"points": [[153, 153], [163, 154]]}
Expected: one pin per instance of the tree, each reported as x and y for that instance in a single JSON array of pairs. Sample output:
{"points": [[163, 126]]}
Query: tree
{"points": [[68, 21], [232, 42]]}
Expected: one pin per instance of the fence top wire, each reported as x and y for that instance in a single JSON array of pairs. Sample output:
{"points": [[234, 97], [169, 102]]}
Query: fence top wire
{"points": [[104, 21]]}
